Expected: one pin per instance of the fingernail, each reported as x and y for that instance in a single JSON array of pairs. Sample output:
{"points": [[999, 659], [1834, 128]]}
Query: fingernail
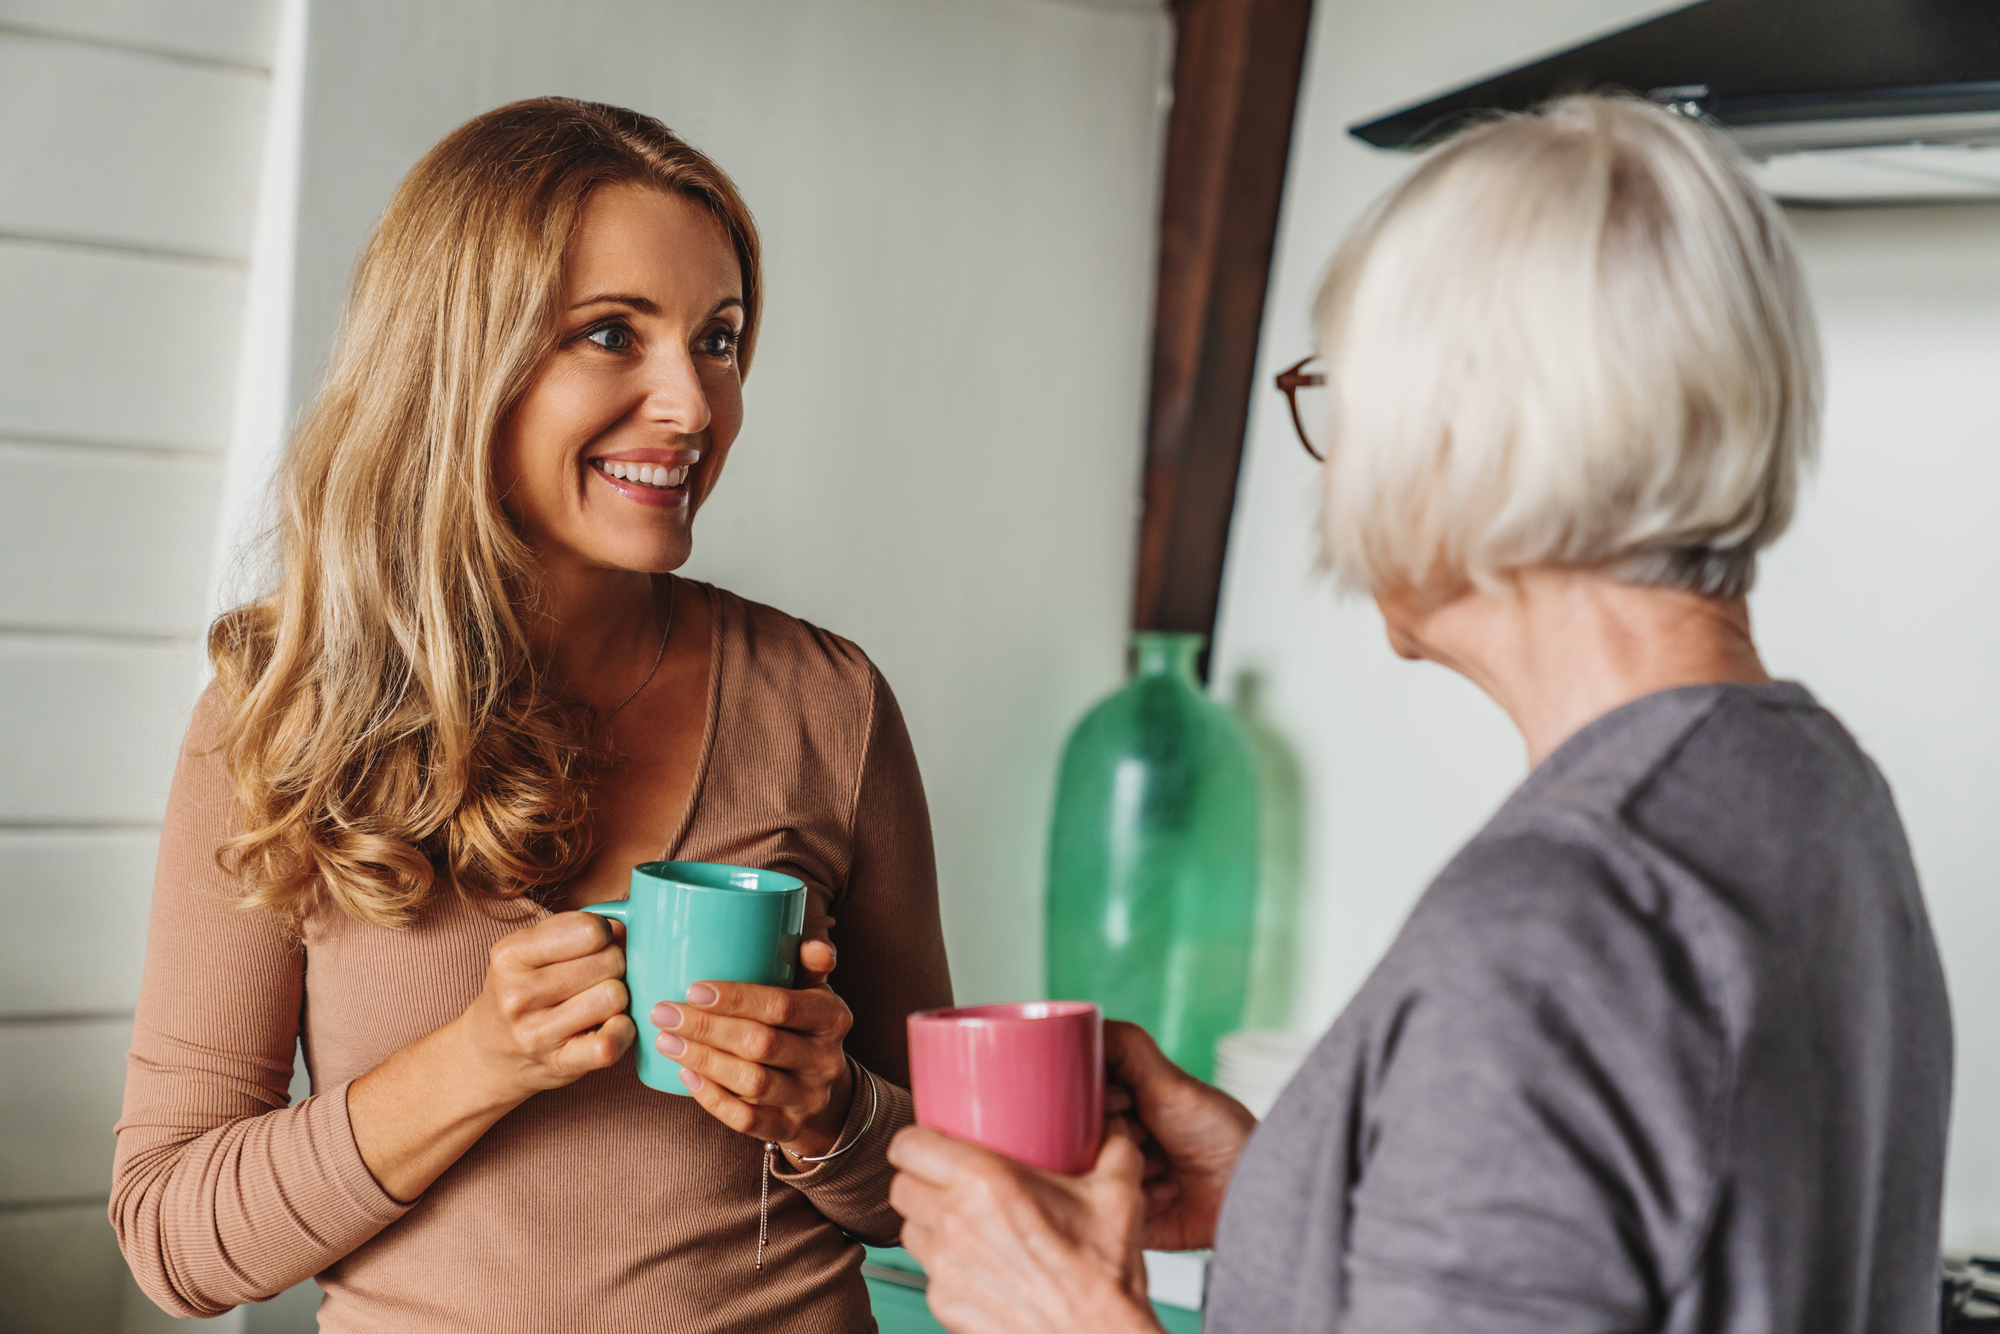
{"points": [[670, 1044], [667, 1016], [691, 1079], [701, 994]]}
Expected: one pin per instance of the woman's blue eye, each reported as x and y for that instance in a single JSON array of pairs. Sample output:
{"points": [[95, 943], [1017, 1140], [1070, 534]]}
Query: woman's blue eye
{"points": [[612, 337], [720, 343]]}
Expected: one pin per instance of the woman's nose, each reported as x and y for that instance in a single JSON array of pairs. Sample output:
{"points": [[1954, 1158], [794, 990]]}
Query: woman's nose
{"points": [[675, 396]]}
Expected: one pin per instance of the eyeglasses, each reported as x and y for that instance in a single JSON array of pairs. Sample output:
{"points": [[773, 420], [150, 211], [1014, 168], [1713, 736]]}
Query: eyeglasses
{"points": [[1305, 391]]}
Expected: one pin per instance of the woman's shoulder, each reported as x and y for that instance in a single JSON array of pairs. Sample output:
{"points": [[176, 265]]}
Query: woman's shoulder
{"points": [[1556, 901], [781, 674], [776, 647]]}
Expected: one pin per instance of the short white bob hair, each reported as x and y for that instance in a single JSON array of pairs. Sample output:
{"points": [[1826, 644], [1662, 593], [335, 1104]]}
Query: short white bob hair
{"points": [[1576, 338]]}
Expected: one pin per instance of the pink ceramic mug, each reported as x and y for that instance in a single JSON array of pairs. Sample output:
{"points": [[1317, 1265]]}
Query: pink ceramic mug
{"points": [[1025, 1080]]}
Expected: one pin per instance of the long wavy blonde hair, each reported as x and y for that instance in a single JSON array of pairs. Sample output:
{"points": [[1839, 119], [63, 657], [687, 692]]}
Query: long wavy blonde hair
{"points": [[387, 726]]}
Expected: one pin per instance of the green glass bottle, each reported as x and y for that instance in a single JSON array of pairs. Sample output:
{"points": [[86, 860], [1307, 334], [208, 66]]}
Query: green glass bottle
{"points": [[1152, 891]]}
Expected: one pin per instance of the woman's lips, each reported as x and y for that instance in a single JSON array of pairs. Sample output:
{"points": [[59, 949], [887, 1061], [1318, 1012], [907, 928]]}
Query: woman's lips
{"points": [[659, 497]]}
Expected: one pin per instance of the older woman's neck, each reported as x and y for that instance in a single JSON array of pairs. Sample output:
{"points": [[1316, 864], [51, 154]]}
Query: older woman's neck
{"points": [[1558, 649]]}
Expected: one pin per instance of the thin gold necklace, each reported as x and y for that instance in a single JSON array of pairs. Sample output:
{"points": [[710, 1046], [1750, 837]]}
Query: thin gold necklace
{"points": [[657, 657]]}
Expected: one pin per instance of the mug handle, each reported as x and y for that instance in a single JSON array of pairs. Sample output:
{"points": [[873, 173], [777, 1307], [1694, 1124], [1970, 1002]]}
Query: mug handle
{"points": [[618, 908]]}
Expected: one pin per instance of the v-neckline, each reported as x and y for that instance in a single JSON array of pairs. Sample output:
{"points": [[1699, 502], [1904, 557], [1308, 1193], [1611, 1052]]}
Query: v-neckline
{"points": [[686, 822]]}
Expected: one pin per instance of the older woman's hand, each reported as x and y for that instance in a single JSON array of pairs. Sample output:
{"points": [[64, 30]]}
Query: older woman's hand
{"points": [[766, 1061], [1192, 1134], [1010, 1249]]}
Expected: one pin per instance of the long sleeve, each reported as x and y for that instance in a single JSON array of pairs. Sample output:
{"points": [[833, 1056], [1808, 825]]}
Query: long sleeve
{"points": [[892, 961], [223, 1193]]}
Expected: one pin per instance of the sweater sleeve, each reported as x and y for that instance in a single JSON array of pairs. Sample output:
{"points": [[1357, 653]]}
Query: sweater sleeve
{"points": [[1541, 1153], [891, 962], [222, 1192]]}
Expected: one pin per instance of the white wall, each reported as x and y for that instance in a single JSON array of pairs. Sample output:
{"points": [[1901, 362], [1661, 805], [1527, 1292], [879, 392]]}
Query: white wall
{"points": [[1882, 599], [127, 164], [1885, 598], [129, 139], [940, 458]]}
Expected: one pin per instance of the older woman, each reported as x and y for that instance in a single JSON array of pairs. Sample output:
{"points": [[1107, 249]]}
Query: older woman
{"points": [[1666, 1046], [476, 697]]}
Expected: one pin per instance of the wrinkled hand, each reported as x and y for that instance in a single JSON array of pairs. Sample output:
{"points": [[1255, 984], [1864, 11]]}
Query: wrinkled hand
{"points": [[553, 1007], [766, 1061], [1011, 1249], [1191, 1133]]}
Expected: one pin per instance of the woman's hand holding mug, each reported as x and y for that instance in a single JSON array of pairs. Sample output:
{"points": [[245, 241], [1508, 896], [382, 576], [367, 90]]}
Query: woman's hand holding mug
{"points": [[767, 1061], [552, 1009], [1191, 1134]]}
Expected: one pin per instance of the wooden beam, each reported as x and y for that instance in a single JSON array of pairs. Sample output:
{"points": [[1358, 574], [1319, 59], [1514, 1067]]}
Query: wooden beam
{"points": [[1236, 82]]}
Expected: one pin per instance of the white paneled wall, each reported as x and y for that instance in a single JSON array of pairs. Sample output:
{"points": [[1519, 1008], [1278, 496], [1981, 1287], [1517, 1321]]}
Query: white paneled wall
{"points": [[119, 348], [54, 502], [143, 183], [130, 133], [89, 886], [223, 33]]}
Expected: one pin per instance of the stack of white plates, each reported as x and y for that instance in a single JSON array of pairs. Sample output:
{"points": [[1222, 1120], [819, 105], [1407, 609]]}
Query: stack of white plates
{"points": [[1254, 1066]]}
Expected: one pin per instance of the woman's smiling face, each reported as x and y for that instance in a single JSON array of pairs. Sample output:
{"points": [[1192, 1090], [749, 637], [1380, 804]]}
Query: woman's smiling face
{"points": [[624, 429]]}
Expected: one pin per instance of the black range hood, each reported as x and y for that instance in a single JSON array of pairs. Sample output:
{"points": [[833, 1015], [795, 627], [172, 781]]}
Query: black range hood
{"points": [[1783, 77]]}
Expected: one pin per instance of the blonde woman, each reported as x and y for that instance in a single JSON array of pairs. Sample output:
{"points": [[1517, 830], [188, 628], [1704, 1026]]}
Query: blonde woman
{"points": [[475, 699], [1665, 1048]]}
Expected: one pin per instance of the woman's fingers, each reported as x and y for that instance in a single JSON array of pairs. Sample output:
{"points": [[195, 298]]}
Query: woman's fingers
{"points": [[565, 936], [755, 1083], [751, 1081], [595, 1049], [551, 985], [815, 1011], [595, 1005], [752, 1041], [765, 1061], [936, 1159], [816, 961], [1136, 1061], [726, 1106]]}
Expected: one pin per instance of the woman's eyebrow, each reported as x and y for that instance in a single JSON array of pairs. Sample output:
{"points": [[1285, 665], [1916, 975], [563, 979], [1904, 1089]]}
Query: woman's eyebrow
{"points": [[646, 307], [638, 303]]}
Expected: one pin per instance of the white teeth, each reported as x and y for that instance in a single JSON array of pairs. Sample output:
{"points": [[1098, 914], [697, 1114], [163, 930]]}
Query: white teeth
{"points": [[646, 474]]}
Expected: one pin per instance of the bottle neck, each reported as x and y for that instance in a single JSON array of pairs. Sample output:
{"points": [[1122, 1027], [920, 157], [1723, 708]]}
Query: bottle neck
{"points": [[1157, 653]]}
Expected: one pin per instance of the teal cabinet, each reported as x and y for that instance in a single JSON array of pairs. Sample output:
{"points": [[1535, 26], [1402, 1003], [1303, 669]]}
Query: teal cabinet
{"points": [[895, 1289]]}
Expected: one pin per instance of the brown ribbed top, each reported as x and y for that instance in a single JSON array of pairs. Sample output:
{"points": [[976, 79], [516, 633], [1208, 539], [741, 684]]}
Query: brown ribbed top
{"points": [[603, 1206]]}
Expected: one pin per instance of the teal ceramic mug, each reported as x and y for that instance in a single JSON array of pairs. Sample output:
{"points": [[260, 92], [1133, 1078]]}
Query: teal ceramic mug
{"points": [[690, 922]]}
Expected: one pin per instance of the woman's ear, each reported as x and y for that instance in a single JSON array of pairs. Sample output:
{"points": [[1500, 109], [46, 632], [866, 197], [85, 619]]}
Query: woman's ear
{"points": [[1403, 612]]}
